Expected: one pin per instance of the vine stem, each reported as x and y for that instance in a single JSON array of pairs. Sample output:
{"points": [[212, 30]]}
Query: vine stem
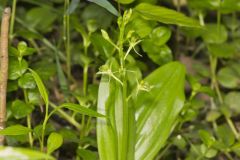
{"points": [[4, 67]]}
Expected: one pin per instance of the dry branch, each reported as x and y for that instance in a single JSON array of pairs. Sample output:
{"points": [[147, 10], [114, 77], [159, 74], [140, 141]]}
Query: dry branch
{"points": [[3, 67]]}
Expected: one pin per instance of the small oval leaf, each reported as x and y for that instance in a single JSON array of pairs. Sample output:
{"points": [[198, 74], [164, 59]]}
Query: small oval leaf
{"points": [[54, 141]]}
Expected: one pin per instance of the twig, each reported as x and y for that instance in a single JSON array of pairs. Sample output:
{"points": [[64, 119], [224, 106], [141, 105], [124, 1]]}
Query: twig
{"points": [[3, 67]]}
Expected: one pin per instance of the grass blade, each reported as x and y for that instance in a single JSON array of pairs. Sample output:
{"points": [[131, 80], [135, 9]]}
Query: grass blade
{"points": [[80, 109], [40, 86]]}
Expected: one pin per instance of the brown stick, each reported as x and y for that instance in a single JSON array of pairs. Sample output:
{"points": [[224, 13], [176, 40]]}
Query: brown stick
{"points": [[3, 67]]}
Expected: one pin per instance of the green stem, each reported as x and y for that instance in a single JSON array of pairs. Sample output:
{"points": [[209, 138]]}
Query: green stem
{"points": [[233, 29], [119, 8], [85, 79], [44, 127], [125, 120], [214, 85], [14, 3], [121, 55], [88, 125], [65, 116], [228, 155], [30, 136], [125, 134], [83, 127], [231, 125], [85, 87], [66, 38], [34, 44], [201, 18], [219, 17]]}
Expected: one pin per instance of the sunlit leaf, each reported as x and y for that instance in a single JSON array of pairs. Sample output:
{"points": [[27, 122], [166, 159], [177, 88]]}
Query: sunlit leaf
{"points": [[15, 130], [165, 100], [14, 153], [158, 54], [160, 35], [106, 137], [165, 15]]}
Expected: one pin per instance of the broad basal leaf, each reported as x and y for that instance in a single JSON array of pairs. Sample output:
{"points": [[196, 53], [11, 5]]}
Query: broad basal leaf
{"points": [[165, 15], [158, 109], [116, 134], [107, 144]]}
